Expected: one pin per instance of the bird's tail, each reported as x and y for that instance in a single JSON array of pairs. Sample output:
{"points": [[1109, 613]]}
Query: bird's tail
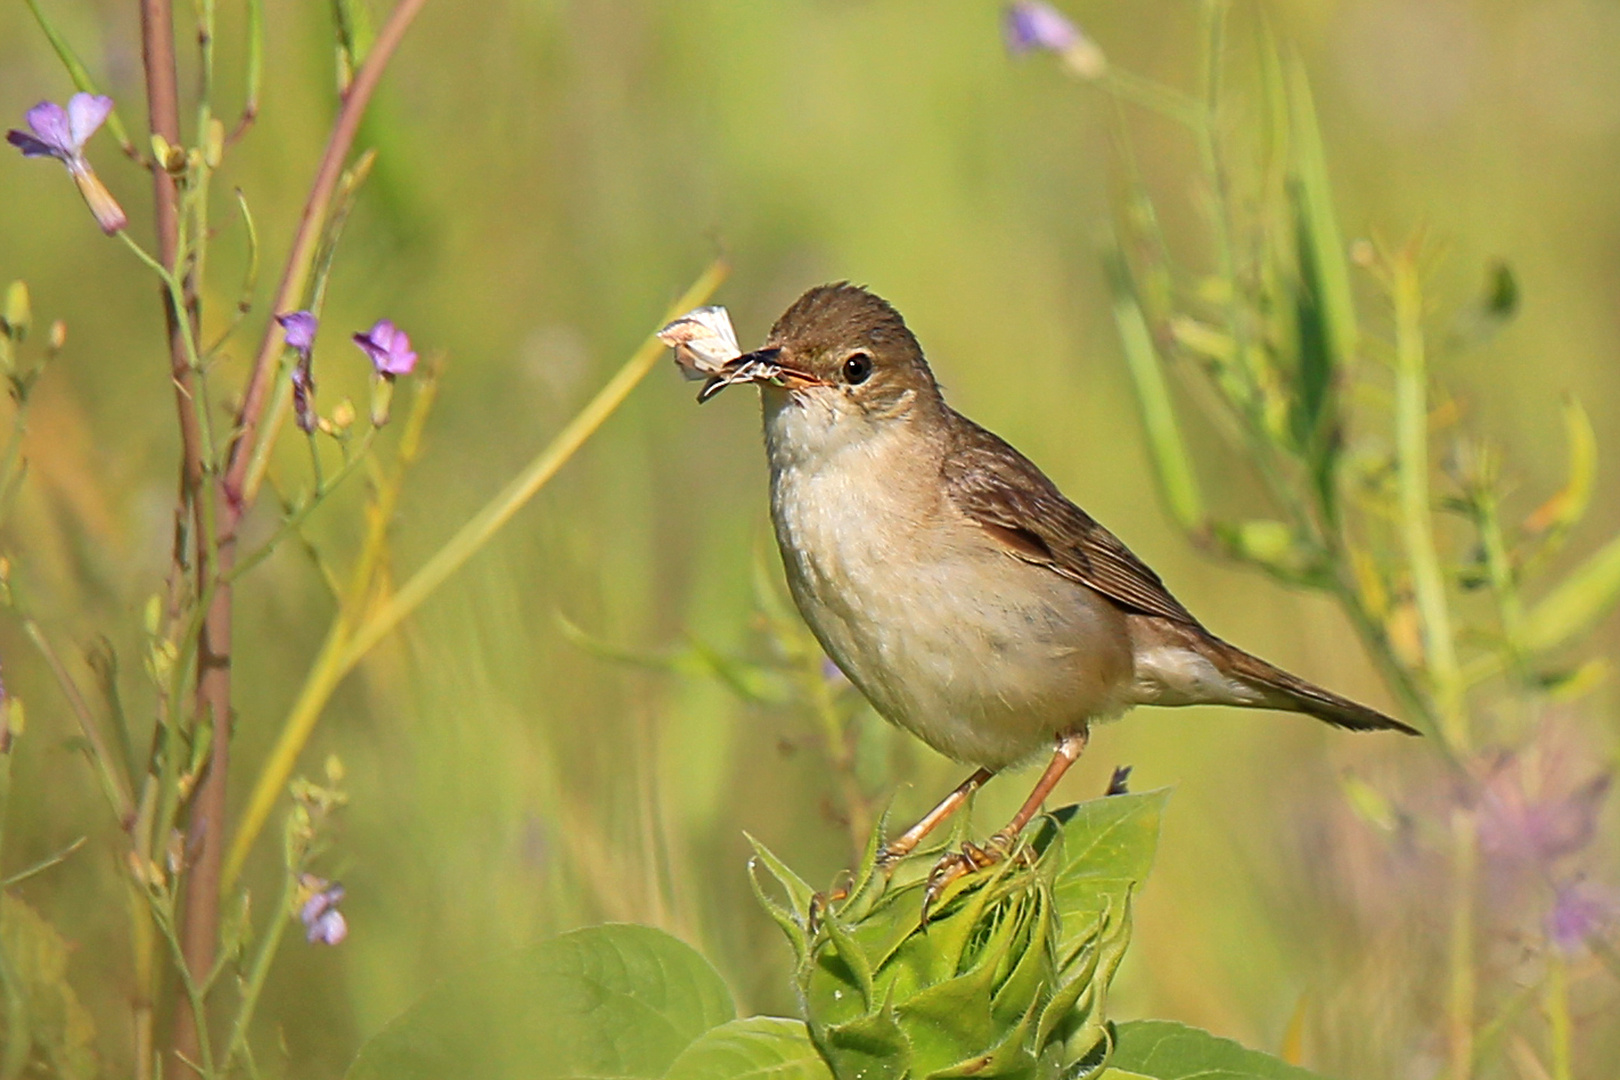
{"points": [[1281, 690]]}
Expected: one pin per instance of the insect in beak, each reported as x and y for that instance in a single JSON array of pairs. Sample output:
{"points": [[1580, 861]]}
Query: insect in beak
{"points": [[759, 366]]}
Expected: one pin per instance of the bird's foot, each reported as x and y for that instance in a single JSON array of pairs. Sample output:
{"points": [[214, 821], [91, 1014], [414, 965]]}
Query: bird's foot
{"points": [[969, 860], [822, 902]]}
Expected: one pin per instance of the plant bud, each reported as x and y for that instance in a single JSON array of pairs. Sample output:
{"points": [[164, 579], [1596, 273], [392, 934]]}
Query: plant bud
{"points": [[18, 313], [214, 147], [1008, 978]]}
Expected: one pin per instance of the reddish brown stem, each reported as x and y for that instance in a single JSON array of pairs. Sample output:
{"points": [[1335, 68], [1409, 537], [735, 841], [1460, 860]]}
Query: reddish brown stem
{"points": [[206, 839], [213, 691]]}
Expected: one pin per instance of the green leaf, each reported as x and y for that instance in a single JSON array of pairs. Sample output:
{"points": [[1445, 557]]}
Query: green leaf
{"points": [[1324, 306], [603, 1002], [41, 1019], [757, 1048], [1166, 1050], [1583, 597], [1177, 481], [1108, 847]]}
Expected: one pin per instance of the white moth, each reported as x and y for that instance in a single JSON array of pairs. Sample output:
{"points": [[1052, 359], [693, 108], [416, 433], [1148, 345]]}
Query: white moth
{"points": [[703, 340]]}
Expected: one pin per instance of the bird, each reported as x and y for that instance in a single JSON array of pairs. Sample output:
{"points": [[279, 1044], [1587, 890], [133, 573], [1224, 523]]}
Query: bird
{"points": [[969, 600]]}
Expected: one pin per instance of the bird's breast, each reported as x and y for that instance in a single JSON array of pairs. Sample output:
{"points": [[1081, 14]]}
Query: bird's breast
{"points": [[983, 656]]}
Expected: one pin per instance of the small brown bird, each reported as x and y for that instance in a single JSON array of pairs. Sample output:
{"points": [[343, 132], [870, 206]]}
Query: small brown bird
{"points": [[971, 603]]}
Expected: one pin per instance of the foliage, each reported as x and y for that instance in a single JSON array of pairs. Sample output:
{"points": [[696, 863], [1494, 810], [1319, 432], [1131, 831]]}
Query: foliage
{"points": [[1007, 977], [615, 1000]]}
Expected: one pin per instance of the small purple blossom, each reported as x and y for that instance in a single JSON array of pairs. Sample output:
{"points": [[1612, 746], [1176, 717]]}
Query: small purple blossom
{"points": [[61, 134], [1032, 25], [1534, 819], [299, 328], [323, 922], [389, 348], [1579, 913]]}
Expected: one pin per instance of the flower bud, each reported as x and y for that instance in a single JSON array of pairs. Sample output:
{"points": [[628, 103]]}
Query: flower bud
{"points": [[1010, 974], [382, 399], [18, 315]]}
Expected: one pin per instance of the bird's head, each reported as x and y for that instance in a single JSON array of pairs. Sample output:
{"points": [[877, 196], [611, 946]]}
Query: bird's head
{"points": [[838, 350]]}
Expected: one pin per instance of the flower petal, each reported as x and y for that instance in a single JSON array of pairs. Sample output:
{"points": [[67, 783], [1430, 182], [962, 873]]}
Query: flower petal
{"points": [[1032, 25], [330, 929], [299, 328], [86, 113], [30, 146], [50, 122], [389, 348]]}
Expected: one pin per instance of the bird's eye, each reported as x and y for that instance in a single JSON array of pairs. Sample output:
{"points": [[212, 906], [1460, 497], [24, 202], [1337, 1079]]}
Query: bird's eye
{"points": [[857, 367]]}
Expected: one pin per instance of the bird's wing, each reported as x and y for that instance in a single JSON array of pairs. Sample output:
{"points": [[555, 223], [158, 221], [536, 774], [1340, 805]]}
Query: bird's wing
{"points": [[1003, 491]]}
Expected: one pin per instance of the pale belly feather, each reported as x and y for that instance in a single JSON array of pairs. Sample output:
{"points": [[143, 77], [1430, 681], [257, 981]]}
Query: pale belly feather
{"points": [[985, 658]]}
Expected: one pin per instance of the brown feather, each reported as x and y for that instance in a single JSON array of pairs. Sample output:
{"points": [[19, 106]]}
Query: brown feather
{"points": [[1004, 492], [1014, 502]]}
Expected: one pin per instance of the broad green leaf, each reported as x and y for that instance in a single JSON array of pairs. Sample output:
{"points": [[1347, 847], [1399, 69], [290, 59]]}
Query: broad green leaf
{"points": [[602, 1002], [757, 1048], [1108, 847], [1165, 1050], [41, 1020]]}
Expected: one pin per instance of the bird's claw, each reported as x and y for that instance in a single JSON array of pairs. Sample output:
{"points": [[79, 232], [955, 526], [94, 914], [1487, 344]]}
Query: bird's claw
{"points": [[969, 860]]}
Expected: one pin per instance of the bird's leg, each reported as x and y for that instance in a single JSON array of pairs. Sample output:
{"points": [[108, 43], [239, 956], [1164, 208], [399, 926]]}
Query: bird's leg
{"points": [[972, 857], [907, 842]]}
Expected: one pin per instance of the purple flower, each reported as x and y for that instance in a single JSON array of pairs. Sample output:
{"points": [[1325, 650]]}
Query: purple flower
{"points": [[323, 922], [299, 327], [1031, 25], [1579, 913], [1530, 818], [389, 348], [61, 133]]}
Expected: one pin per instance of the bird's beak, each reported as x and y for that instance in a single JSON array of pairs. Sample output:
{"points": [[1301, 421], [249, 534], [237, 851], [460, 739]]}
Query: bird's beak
{"points": [[759, 366]]}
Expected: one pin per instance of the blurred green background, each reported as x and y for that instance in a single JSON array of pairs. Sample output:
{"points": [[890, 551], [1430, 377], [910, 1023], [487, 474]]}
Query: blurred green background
{"points": [[551, 175]]}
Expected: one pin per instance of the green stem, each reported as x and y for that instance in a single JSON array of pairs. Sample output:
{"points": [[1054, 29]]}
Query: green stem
{"points": [[161, 915], [112, 782], [1416, 517], [296, 520], [260, 971], [1560, 1030]]}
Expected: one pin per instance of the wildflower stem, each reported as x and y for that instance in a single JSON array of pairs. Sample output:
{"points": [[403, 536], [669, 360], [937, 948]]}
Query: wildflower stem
{"points": [[1460, 998], [350, 638], [1150, 94], [1416, 519], [1560, 1031], [261, 970], [112, 782], [162, 915], [255, 70], [296, 520]]}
